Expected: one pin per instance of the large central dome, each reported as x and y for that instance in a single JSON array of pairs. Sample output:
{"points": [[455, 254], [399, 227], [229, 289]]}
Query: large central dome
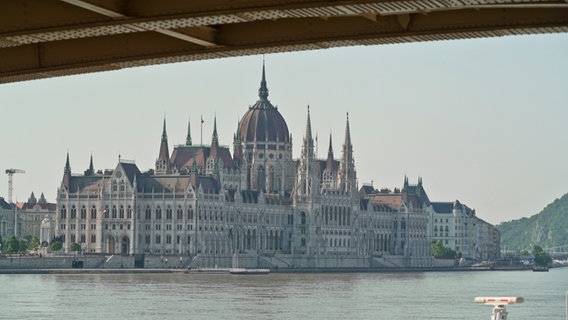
{"points": [[262, 121]]}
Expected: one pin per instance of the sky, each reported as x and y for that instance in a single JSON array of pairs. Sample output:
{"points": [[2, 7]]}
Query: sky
{"points": [[482, 121]]}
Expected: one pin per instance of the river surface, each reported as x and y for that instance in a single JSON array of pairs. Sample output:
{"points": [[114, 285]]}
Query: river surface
{"points": [[428, 295]]}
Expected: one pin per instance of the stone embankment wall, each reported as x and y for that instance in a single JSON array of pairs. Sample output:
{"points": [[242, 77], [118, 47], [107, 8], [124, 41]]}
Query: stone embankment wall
{"points": [[66, 262]]}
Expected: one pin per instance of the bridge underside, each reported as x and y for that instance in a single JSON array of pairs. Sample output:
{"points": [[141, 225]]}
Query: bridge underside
{"points": [[49, 38]]}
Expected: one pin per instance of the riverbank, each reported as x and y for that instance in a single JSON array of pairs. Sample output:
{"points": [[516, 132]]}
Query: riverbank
{"points": [[283, 271]]}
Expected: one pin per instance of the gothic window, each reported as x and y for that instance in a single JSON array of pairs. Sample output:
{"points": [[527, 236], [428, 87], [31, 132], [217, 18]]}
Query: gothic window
{"points": [[158, 239], [261, 179], [169, 213], [190, 213], [129, 213], [158, 213], [303, 216], [122, 186], [93, 212], [73, 212], [148, 213], [114, 186], [121, 212], [93, 238], [169, 239], [179, 213], [83, 212], [271, 178], [113, 212]]}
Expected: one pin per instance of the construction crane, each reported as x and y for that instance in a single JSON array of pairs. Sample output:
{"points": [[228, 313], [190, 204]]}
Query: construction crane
{"points": [[10, 173]]}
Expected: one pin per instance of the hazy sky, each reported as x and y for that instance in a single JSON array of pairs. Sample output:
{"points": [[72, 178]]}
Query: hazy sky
{"points": [[482, 121]]}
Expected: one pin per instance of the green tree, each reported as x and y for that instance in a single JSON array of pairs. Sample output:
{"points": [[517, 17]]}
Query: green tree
{"points": [[33, 243], [541, 257], [441, 252], [75, 247], [12, 245], [55, 246], [22, 245]]}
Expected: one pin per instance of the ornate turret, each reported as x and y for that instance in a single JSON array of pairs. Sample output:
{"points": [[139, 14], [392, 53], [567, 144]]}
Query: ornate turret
{"points": [[91, 170], [306, 170], [263, 90], [347, 177], [162, 163], [32, 199], [329, 161], [67, 173], [42, 199]]}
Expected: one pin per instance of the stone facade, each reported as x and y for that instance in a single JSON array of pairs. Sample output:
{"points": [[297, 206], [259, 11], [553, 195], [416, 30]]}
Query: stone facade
{"points": [[206, 204], [458, 227], [32, 214], [7, 214]]}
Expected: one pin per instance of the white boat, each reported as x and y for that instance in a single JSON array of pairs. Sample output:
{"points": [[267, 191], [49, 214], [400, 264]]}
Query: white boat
{"points": [[248, 271], [236, 270]]}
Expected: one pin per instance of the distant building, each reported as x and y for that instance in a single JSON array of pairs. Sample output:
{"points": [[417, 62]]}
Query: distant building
{"points": [[32, 213], [7, 212], [204, 202], [458, 228]]}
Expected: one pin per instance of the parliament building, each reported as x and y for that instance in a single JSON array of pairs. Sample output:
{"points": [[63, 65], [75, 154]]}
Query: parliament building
{"points": [[207, 203]]}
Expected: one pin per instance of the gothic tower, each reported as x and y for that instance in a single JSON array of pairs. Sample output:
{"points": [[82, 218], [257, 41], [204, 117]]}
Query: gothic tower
{"points": [[347, 175], [163, 161]]}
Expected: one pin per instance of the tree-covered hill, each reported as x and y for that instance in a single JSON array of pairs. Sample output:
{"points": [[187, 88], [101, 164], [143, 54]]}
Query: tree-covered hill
{"points": [[549, 228]]}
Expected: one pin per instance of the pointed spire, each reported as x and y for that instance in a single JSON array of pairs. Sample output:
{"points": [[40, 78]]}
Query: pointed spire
{"points": [[162, 164], [263, 91], [188, 138], [329, 162], [347, 132], [164, 134], [42, 199], [91, 167], [67, 165], [215, 139], [32, 198], [308, 135]]}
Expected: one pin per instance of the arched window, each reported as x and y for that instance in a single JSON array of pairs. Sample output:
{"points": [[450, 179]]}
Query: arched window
{"points": [[113, 212], [83, 212], [303, 217], [128, 212], [261, 179], [63, 213], [93, 212], [148, 213], [158, 213], [169, 213]]}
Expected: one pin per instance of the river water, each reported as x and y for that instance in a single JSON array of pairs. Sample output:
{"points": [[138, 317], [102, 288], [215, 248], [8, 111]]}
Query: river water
{"points": [[428, 295]]}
